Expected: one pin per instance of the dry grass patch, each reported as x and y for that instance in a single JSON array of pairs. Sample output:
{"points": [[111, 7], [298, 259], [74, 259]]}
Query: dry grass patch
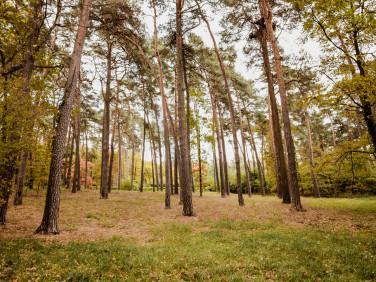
{"points": [[134, 215]]}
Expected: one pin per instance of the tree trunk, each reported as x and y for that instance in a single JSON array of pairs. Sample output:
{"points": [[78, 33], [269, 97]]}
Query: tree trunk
{"points": [[244, 147], [86, 158], [142, 157], [160, 153], [51, 211], [188, 121], [77, 121], [216, 125], [280, 163], [184, 175], [106, 125], [168, 168], [259, 168], [113, 136], [216, 178], [21, 179], [225, 167], [199, 150], [293, 174], [133, 149], [69, 176], [119, 157], [231, 108], [66, 156], [316, 191]]}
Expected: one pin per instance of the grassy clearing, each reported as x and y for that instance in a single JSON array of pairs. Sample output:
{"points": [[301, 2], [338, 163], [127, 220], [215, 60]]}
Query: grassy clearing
{"points": [[132, 237]]}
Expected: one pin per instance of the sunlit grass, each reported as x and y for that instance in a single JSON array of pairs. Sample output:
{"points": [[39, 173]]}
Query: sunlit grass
{"points": [[361, 205]]}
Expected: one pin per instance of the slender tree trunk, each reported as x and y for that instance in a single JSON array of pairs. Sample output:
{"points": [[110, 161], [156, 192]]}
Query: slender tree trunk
{"points": [[199, 149], [69, 176], [119, 157], [106, 125], [21, 179], [142, 158], [160, 153], [225, 167], [153, 153], [259, 168], [188, 121], [66, 156], [280, 163], [184, 175], [77, 121], [293, 174], [133, 149], [216, 125], [168, 168], [51, 212], [316, 191], [244, 147], [86, 158], [231, 108], [118, 81], [216, 169]]}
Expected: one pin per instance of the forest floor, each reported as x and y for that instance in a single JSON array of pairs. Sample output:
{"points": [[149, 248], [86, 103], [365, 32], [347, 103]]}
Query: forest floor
{"points": [[131, 236]]}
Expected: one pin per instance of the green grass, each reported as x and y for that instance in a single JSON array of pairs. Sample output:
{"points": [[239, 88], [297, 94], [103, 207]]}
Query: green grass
{"points": [[132, 237], [358, 205], [218, 250]]}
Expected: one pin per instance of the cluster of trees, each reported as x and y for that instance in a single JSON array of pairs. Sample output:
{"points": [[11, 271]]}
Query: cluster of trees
{"points": [[79, 112]]}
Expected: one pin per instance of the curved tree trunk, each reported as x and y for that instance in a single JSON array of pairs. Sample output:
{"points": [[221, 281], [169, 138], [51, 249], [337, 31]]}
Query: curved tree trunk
{"points": [[51, 211]]}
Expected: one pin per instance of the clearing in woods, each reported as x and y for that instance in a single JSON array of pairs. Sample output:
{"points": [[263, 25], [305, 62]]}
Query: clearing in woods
{"points": [[131, 236]]}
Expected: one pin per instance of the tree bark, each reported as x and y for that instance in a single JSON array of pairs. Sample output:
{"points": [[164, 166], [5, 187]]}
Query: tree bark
{"points": [[113, 134], [168, 168], [21, 178], [199, 149], [51, 211], [316, 191], [106, 125], [77, 121], [244, 146], [119, 158], [225, 167], [142, 157], [280, 163], [216, 125], [66, 156], [188, 120], [293, 174], [133, 149], [231, 108], [69, 176], [259, 168], [184, 175], [86, 158]]}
